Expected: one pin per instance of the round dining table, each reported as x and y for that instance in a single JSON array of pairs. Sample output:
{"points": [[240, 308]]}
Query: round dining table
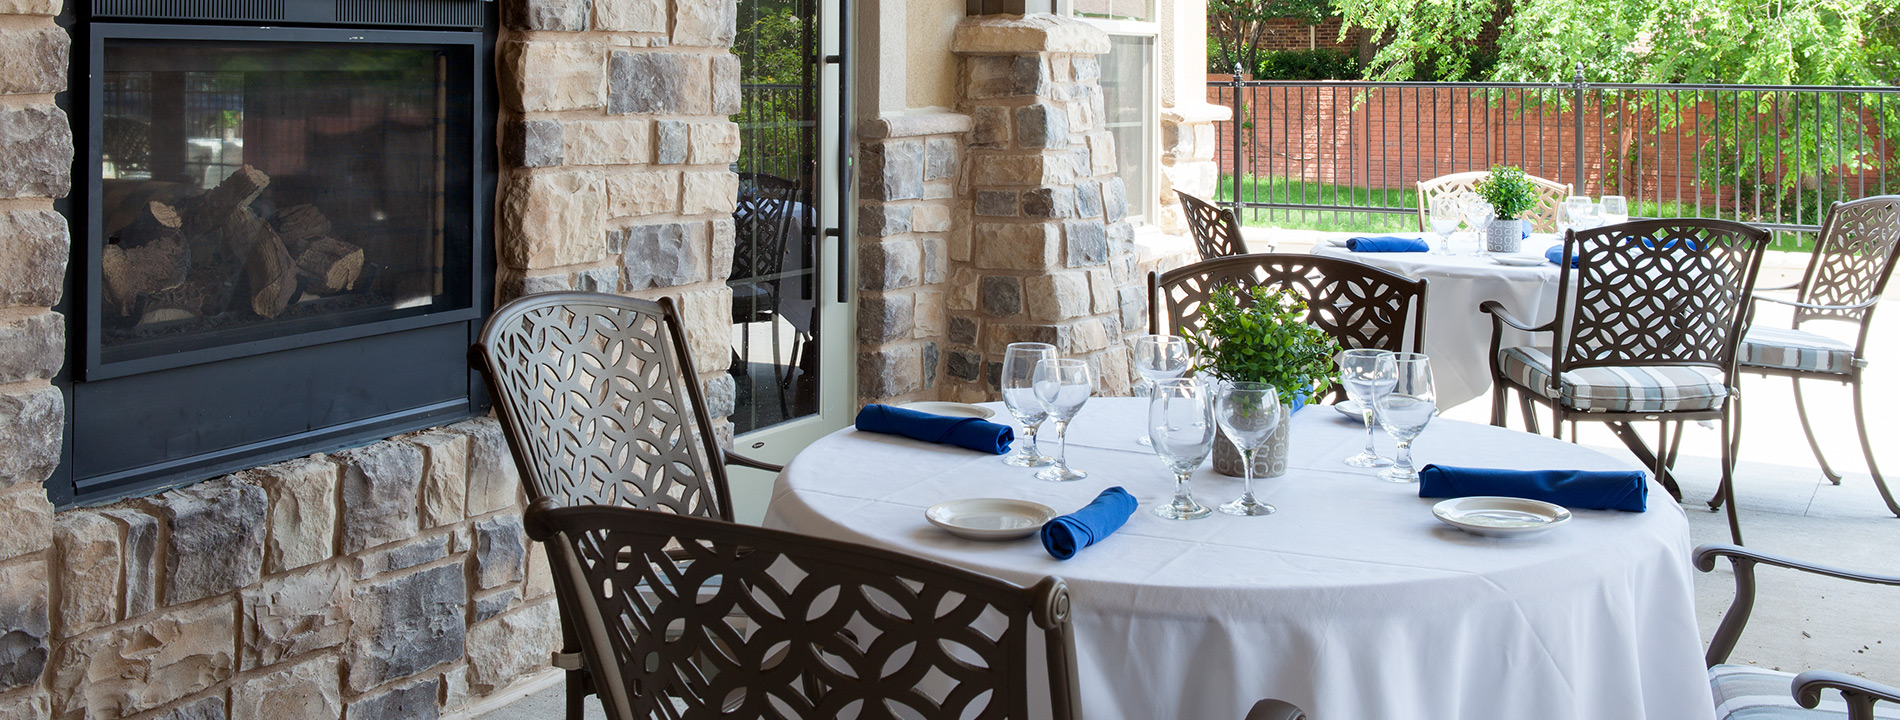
{"points": [[1457, 335], [1352, 601]]}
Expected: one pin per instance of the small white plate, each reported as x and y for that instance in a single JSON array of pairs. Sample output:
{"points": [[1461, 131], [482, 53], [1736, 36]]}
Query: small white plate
{"points": [[1335, 241], [1500, 516], [952, 409], [990, 518], [1516, 260], [1350, 408]]}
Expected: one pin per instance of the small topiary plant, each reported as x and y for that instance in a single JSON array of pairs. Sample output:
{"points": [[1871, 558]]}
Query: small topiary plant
{"points": [[1509, 191]]}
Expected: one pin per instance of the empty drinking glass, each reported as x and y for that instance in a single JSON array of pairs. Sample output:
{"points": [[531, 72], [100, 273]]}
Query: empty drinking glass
{"points": [[1445, 214], [1159, 357], [1019, 395], [1181, 423], [1478, 216], [1062, 386], [1406, 409], [1616, 209], [1582, 214], [1247, 412], [1367, 373]]}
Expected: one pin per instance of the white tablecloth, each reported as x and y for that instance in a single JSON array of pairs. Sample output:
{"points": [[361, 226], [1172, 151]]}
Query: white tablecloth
{"points": [[1457, 336], [1352, 601]]}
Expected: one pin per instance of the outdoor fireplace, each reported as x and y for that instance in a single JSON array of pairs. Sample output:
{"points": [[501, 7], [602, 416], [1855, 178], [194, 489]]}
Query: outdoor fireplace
{"points": [[283, 234]]}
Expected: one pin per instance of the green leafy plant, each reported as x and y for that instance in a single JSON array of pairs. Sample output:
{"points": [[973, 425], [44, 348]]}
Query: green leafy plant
{"points": [[1509, 191], [1262, 336]]}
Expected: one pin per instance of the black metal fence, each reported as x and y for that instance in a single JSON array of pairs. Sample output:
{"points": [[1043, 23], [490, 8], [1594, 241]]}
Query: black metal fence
{"points": [[1349, 155], [776, 129]]}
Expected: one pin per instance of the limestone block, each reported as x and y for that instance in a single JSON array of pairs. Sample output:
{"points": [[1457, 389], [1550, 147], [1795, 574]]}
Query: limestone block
{"points": [[636, 194], [726, 99], [620, 141], [1002, 295], [302, 494], [144, 665], [1016, 247], [724, 240], [533, 143], [1102, 292], [889, 372], [402, 556], [444, 477], [1057, 296], [380, 487], [25, 706], [454, 688], [30, 7], [1114, 200], [216, 544], [1117, 370], [876, 220], [33, 257], [929, 315], [288, 616], [996, 203], [1000, 76], [403, 625], [883, 318], [940, 158], [140, 559], [1088, 199], [30, 427], [929, 217], [550, 219], [721, 393], [415, 701], [493, 481], [892, 170], [963, 331], [889, 264], [24, 622], [704, 23], [512, 646], [1134, 307], [707, 316], [1087, 243], [647, 16], [663, 255], [705, 193], [555, 15], [1081, 116], [549, 76], [671, 136], [659, 82], [963, 289], [1035, 32], [497, 602], [1041, 125], [989, 126], [710, 143], [32, 347], [86, 549], [998, 169], [936, 267], [36, 151], [205, 708], [963, 365], [311, 690], [540, 578], [29, 521], [501, 551], [1087, 336]]}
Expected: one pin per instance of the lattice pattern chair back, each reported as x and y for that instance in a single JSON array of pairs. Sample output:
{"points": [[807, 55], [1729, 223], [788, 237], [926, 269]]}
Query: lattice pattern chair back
{"points": [[1657, 292], [1852, 261], [1216, 231], [763, 224], [1544, 216], [740, 621], [600, 403]]}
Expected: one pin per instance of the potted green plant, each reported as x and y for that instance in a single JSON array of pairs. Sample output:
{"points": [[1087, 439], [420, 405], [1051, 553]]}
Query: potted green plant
{"points": [[1259, 335], [1511, 194]]}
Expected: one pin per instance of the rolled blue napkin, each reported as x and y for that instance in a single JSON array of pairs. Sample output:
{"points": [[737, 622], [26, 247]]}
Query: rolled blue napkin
{"points": [[1088, 526], [1556, 256], [967, 432], [1625, 490], [1386, 243]]}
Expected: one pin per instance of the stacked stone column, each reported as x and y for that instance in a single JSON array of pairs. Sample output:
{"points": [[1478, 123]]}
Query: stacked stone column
{"points": [[909, 214], [1188, 144], [1051, 256]]}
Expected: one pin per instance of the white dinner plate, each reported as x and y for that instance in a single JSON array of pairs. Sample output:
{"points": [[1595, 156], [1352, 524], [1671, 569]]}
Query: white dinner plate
{"points": [[1350, 408], [1519, 260], [990, 518], [1500, 516], [1335, 241], [953, 409]]}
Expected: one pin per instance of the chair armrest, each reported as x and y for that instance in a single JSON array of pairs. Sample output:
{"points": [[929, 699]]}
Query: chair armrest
{"points": [[1859, 694], [1744, 561], [1811, 306], [1705, 561], [1496, 310], [733, 458]]}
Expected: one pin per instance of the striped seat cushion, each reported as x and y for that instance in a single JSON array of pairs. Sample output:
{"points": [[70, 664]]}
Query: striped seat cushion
{"points": [[1795, 350], [1618, 389], [1746, 692]]}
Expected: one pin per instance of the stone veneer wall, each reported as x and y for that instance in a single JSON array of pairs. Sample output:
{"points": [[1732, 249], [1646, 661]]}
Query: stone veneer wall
{"points": [[1188, 145], [912, 221]]}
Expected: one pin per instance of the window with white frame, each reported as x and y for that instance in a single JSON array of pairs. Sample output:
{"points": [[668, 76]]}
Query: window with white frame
{"points": [[1131, 96]]}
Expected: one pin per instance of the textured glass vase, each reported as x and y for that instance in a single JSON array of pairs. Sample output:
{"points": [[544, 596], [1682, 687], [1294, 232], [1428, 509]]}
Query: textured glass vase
{"points": [[1504, 236]]}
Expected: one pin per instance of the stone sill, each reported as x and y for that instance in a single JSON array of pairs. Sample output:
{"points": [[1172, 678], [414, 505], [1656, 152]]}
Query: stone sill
{"points": [[916, 124], [1032, 33], [1194, 113]]}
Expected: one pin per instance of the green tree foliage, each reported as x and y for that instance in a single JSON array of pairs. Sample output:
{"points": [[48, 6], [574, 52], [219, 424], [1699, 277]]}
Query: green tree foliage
{"points": [[773, 42], [1236, 27]]}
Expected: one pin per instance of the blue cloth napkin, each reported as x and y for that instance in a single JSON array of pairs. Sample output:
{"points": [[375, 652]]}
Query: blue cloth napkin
{"points": [[968, 432], [1625, 490], [1387, 243], [1556, 256], [1088, 526]]}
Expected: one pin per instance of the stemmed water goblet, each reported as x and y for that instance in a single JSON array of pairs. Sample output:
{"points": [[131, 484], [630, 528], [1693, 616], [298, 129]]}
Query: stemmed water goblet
{"points": [[1247, 412], [1478, 217], [1367, 373], [1160, 357], [1406, 409], [1019, 395], [1181, 423], [1616, 210], [1582, 214], [1062, 386], [1445, 214]]}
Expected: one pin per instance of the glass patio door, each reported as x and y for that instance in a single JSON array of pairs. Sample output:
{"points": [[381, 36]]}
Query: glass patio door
{"points": [[791, 345]]}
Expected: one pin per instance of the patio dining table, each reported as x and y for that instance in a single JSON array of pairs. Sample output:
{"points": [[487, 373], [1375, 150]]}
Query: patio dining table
{"points": [[1457, 335], [1352, 601]]}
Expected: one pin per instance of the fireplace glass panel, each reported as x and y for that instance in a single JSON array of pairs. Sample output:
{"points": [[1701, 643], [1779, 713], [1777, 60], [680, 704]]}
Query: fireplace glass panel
{"points": [[251, 191]]}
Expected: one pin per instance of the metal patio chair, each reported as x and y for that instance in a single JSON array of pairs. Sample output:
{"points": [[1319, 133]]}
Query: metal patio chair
{"points": [[1647, 327], [1543, 216], [1746, 691], [1361, 306], [1216, 229], [766, 226], [600, 403], [1853, 258], [798, 628]]}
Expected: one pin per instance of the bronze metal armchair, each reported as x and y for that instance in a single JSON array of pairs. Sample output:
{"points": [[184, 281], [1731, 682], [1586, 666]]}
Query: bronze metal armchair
{"points": [[1216, 229], [1543, 217]]}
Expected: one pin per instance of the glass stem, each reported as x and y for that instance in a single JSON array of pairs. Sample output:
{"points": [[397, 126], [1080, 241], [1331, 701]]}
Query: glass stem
{"points": [[1062, 444], [1246, 492], [1370, 448], [1404, 461], [1029, 448], [1181, 501]]}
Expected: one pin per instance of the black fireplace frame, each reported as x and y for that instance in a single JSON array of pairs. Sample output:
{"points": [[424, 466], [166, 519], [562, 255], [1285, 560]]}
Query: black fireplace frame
{"points": [[211, 411]]}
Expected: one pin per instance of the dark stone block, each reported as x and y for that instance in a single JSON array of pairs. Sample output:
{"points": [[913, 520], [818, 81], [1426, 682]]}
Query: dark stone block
{"points": [[669, 140], [991, 126], [494, 603], [1088, 199], [1049, 202], [380, 484], [410, 702], [884, 318], [962, 331], [405, 625], [23, 624], [36, 152], [880, 220], [893, 170], [963, 365], [557, 15], [501, 551], [216, 543], [1114, 200], [1042, 126], [996, 203], [658, 82], [931, 355], [1001, 295], [533, 143], [209, 708], [889, 265], [1086, 242]]}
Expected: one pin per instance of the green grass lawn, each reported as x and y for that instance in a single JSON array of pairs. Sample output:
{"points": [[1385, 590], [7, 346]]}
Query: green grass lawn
{"points": [[1294, 191]]}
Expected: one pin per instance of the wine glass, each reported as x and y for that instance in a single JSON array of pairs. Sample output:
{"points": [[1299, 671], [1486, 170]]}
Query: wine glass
{"points": [[1367, 373], [1616, 209], [1019, 395], [1181, 424], [1159, 357], [1445, 214], [1478, 217], [1248, 412], [1062, 386], [1406, 409], [1582, 214]]}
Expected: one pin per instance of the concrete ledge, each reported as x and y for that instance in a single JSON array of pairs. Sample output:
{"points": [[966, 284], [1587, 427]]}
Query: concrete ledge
{"points": [[1032, 33], [915, 124], [1196, 113]]}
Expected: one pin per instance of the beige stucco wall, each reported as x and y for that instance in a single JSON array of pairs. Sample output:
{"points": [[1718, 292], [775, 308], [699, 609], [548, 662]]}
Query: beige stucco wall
{"points": [[930, 67]]}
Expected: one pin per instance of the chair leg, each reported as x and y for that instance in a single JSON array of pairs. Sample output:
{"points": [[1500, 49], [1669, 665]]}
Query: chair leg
{"points": [[1728, 468], [1801, 411], [1867, 447], [1530, 413], [577, 692], [1500, 399]]}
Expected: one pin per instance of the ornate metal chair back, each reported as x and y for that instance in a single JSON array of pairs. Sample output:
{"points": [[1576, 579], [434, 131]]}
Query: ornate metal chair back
{"points": [[1216, 231], [1543, 216], [1853, 259]]}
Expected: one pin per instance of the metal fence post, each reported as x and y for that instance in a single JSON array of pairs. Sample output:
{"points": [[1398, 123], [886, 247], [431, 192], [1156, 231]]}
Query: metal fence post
{"points": [[1576, 113], [1238, 128]]}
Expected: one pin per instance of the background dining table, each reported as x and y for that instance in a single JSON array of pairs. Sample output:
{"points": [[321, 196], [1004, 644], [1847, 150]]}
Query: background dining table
{"points": [[1353, 601], [1457, 335]]}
